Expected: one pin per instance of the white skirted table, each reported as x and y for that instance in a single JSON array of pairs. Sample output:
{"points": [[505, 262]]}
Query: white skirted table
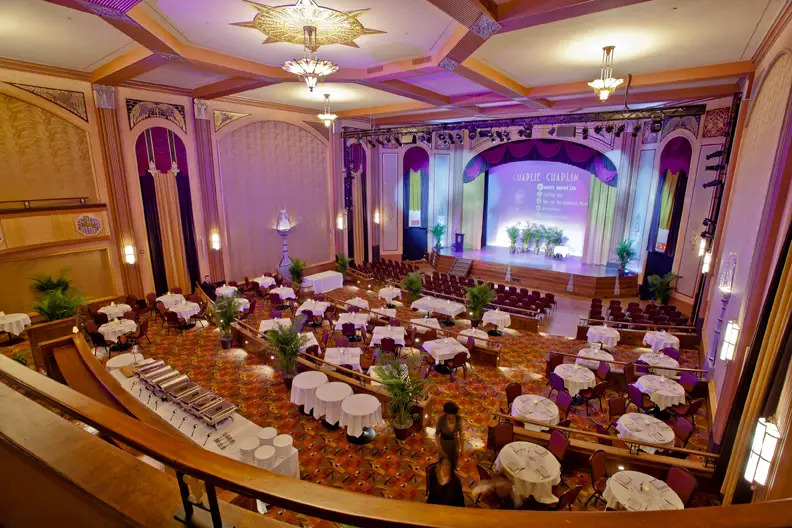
{"points": [[500, 319], [636, 491], [664, 392], [422, 323], [186, 310], [284, 292], [358, 319], [609, 337], [226, 291], [115, 311], [359, 414], [269, 324], [576, 377], [327, 401], [310, 341], [387, 313], [315, 307], [357, 301], [389, 293], [476, 333], [304, 387], [324, 282], [444, 349], [532, 469], [397, 333], [660, 340], [264, 280], [122, 360], [597, 353], [536, 408], [14, 323], [115, 329], [442, 306], [658, 359], [343, 356], [645, 428], [171, 299], [241, 303]]}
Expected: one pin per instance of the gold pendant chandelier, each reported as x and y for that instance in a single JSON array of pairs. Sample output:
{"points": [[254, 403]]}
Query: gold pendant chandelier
{"points": [[606, 84], [310, 69], [326, 117]]}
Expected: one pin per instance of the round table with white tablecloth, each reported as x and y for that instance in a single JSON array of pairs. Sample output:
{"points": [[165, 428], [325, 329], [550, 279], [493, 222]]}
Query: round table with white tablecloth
{"points": [[500, 319], [646, 428], [536, 408], [358, 412], [171, 299], [265, 281], [14, 323], [226, 291], [304, 387], [664, 392], [635, 491], [115, 311], [660, 340], [115, 329], [597, 353], [658, 359], [532, 469], [327, 401], [475, 332], [122, 360], [284, 292], [242, 304], [609, 337], [389, 293], [186, 310], [576, 377]]}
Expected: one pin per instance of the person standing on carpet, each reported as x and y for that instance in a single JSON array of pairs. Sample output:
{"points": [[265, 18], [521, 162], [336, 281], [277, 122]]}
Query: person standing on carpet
{"points": [[444, 487], [448, 434]]}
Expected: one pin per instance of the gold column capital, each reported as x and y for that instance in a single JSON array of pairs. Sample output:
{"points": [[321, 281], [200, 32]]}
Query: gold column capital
{"points": [[104, 96], [201, 108]]}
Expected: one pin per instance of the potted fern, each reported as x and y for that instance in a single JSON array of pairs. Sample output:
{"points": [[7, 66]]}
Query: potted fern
{"points": [[57, 304], [286, 341], [438, 232], [405, 390], [478, 297], [342, 264], [513, 232], [297, 273], [660, 286], [225, 311], [43, 284], [412, 283], [624, 253]]}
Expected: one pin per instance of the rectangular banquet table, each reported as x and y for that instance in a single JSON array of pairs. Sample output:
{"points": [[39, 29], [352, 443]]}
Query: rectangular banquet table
{"points": [[325, 281], [441, 306]]}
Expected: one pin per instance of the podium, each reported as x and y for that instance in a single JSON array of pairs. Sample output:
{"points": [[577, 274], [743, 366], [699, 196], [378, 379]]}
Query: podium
{"points": [[459, 242]]}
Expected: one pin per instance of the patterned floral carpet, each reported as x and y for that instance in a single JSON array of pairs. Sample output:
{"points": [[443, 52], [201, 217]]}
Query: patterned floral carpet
{"points": [[386, 467]]}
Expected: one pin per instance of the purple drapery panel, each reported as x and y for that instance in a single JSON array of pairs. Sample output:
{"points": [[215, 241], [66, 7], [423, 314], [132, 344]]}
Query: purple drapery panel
{"points": [[675, 157], [557, 150], [150, 214]]}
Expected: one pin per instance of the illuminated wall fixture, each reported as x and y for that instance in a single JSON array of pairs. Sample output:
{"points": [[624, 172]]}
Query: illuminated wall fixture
{"points": [[75, 330], [214, 241], [309, 68], [763, 450], [606, 84], [340, 222], [376, 216], [730, 341], [129, 254], [283, 226], [326, 117], [702, 247], [705, 265]]}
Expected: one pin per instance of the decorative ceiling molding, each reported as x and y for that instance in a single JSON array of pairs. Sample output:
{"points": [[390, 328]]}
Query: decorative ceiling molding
{"points": [[141, 110], [319, 127], [73, 102], [485, 26], [716, 122], [224, 117], [449, 64]]}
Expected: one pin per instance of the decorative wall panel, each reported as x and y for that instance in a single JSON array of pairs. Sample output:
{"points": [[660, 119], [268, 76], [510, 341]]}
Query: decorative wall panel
{"points": [[225, 117], [69, 100], [390, 201], [141, 110], [48, 227]]}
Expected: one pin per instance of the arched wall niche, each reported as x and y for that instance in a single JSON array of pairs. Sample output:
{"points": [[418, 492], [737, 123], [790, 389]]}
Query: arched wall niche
{"points": [[415, 213]]}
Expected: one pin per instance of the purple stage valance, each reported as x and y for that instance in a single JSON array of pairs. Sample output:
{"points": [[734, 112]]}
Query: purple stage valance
{"points": [[557, 150]]}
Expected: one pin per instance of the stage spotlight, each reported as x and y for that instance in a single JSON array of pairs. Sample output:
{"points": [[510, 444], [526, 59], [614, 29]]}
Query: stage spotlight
{"points": [[398, 140], [707, 222], [451, 139], [713, 183], [715, 167], [609, 128], [529, 132], [657, 122], [493, 139], [507, 135], [598, 129], [636, 130], [371, 143], [499, 134], [552, 131], [619, 130], [584, 133], [485, 133], [387, 139], [441, 137], [715, 154], [379, 140]]}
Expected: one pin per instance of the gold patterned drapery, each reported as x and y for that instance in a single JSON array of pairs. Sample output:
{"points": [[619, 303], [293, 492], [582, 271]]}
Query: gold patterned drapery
{"points": [[171, 229], [602, 204], [357, 214]]}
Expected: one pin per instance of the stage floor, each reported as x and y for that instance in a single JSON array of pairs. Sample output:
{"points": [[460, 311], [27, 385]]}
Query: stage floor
{"points": [[501, 255]]}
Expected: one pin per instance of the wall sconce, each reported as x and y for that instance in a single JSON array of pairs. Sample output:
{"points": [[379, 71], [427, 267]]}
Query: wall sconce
{"points": [[705, 266], [75, 330], [730, 341], [340, 222], [763, 450], [702, 247], [215, 241], [376, 216], [129, 254], [283, 226]]}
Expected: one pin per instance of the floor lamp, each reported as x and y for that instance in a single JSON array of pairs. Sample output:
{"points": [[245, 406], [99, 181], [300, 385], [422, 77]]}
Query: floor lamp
{"points": [[283, 226]]}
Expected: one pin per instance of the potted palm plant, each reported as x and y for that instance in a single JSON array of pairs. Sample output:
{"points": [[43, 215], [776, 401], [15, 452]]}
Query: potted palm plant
{"points": [[624, 253], [438, 232], [342, 264], [513, 232], [412, 283], [225, 311], [405, 390], [527, 236], [297, 272], [57, 304], [46, 283], [660, 286], [478, 298], [286, 341], [540, 235]]}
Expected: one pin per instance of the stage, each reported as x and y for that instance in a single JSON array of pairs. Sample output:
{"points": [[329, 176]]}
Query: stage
{"points": [[533, 271]]}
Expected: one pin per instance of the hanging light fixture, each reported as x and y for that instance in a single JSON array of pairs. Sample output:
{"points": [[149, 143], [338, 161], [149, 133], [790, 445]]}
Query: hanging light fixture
{"points": [[326, 117], [730, 341], [705, 265], [763, 450], [309, 68], [606, 84]]}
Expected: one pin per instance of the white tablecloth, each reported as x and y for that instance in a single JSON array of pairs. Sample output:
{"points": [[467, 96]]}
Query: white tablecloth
{"points": [[115, 311], [603, 334], [122, 360], [389, 293], [304, 387], [357, 301], [441, 306], [599, 354], [421, 324], [635, 491], [269, 324], [264, 280], [576, 377], [14, 323], [386, 312], [532, 469], [311, 340], [661, 360], [327, 401], [358, 319], [344, 356], [186, 310], [241, 304], [660, 340], [537, 408], [171, 299], [496, 317], [115, 329], [394, 332], [663, 391], [226, 291], [475, 332], [284, 292], [325, 281], [316, 307], [639, 426], [360, 411], [444, 349]]}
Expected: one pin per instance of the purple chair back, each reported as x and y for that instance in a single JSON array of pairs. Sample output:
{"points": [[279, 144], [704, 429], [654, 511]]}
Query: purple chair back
{"points": [[354, 309], [564, 402], [557, 383], [394, 322], [512, 391], [683, 483], [388, 344], [558, 444], [276, 314], [689, 381], [642, 367], [671, 352], [603, 370]]}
